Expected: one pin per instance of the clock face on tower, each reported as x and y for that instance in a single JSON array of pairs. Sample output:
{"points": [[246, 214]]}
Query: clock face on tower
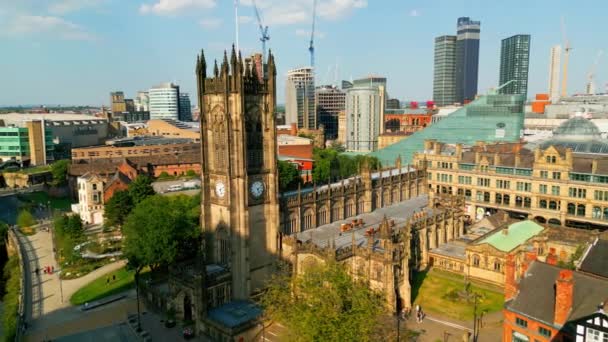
{"points": [[257, 189], [220, 189]]}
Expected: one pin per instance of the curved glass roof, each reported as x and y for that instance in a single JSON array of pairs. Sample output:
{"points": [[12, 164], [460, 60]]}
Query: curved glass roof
{"points": [[578, 128], [579, 134]]}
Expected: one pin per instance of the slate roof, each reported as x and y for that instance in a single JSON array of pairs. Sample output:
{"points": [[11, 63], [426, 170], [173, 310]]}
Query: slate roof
{"points": [[596, 261], [536, 295]]}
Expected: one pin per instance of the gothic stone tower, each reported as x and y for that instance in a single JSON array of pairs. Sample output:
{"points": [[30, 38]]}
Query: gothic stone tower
{"points": [[239, 205]]}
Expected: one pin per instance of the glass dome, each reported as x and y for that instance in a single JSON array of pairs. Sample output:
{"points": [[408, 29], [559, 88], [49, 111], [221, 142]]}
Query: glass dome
{"points": [[577, 128]]}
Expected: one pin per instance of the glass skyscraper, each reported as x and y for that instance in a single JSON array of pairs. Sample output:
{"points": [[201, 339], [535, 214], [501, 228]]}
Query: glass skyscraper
{"points": [[300, 98], [444, 71], [514, 64], [185, 108], [164, 101], [467, 59]]}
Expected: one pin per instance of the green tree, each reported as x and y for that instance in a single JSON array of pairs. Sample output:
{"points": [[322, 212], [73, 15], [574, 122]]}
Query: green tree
{"points": [[3, 232], [25, 219], [191, 173], [141, 188], [323, 304], [159, 231], [289, 176], [118, 208], [325, 165], [59, 170], [74, 227]]}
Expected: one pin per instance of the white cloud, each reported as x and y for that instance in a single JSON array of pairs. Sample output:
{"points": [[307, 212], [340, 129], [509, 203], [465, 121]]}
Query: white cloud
{"points": [[306, 33], [283, 12], [54, 26], [415, 13], [210, 23], [174, 7], [66, 6]]}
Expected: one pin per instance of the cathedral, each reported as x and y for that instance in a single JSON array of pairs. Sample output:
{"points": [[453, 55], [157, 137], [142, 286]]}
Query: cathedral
{"points": [[379, 223]]}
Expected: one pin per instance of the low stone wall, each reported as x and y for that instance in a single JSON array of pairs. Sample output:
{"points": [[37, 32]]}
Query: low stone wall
{"points": [[14, 245]]}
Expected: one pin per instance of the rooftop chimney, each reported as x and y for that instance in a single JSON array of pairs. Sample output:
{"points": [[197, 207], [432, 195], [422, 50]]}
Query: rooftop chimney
{"points": [[551, 257], [529, 258], [510, 284], [564, 289]]}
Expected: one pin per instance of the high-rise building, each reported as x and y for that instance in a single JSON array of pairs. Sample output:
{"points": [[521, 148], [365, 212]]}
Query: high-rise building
{"points": [[330, 101], [300, 98], [142, 101], [554, 72], [467, 59], [444, 72], [185, 109], [363, 117], [514, 64], [129, 105], [164, 101], [117, 99]]}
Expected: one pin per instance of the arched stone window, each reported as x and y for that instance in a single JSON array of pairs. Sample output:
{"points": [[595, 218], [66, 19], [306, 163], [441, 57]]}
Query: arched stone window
{"points": [[571, 209], [223, 246], [497, 265], [336, 212], [292, 224], [308, 219], [476, 260], [322, 216], [580, 210], [220, 142], [360, 205], [350, 208]]}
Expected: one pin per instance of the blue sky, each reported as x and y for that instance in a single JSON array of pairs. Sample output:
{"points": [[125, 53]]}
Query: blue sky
{"points": [[77, 51]]}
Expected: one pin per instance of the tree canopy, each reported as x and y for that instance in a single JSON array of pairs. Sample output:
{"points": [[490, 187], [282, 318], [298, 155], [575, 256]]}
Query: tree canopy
{"points": [[25, 219], [161, 230], [323, 304], [118, 208], [330, 164], [141, 188], [59, 170], [289, 176]]}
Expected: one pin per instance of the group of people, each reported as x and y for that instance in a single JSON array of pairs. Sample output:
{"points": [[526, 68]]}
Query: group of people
{"points": [[405, 314], [46, 270]]}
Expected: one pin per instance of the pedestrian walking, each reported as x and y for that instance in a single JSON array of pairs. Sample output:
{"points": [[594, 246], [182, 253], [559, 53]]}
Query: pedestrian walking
{"points": [[113, 277], [108, 281]]}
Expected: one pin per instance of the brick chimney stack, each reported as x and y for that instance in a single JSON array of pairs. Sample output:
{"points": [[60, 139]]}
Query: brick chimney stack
{"points": [[529, 258], [551, 257], [564, 290], [510, 284]]}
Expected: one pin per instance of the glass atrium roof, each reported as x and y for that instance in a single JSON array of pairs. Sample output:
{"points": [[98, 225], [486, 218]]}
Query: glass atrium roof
{"points": [[579, 134], [490, 118]]}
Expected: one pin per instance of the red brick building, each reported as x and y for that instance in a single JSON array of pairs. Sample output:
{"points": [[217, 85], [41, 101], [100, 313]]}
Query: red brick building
{"points": [[407, 120], [298, 151], [547, 302]]}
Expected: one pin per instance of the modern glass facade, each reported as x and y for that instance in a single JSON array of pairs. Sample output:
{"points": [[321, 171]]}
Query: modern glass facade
{"points": [[514, 64], [444, 71], [300, 98], [164, 101], [363, 118], [185, 108], [14, 143], [330, 101], [467, 59], [490, 118]]}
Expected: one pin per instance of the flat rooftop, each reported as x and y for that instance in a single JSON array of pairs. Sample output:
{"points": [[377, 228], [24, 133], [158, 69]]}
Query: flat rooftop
{"points": [[19, 119], [399, 213]]}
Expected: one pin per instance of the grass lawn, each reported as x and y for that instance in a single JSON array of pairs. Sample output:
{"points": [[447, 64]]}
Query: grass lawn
{"points": [[41, 197], [35, 169], [437, 292], [99, 287]]}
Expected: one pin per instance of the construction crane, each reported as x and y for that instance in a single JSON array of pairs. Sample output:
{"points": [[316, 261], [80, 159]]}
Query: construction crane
{"points": [[311, 47], [263, 31], [591, 75], [567, 49]]}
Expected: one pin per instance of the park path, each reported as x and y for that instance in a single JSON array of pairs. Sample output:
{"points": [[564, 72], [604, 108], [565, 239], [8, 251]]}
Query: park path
{"points": [[46, 293], [73, 285]]}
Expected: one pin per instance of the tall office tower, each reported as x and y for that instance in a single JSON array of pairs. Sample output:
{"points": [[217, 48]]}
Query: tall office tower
{"points": [[185, 108], [444, 71], [554, 72], [300, 98], [514, 64], [142, 101], [117, 99], [164, 101], [467, 59], [363, 117], [380, 83], [329, 103]]}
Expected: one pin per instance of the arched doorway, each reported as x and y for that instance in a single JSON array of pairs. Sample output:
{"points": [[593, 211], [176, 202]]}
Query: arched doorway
{"points": [[187, 308], [555, 222], [540, 219]]}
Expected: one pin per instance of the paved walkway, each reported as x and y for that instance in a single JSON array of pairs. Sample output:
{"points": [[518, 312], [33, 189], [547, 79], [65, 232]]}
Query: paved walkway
{"points": [[46, 293]]}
